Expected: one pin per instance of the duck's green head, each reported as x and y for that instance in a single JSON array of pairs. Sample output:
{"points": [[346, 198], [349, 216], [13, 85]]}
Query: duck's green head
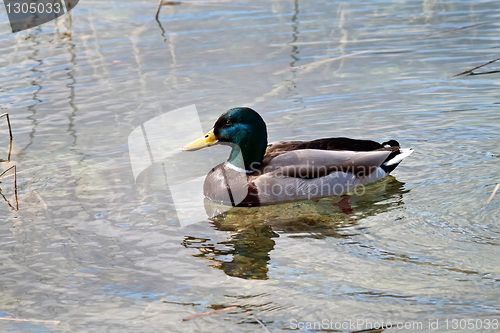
{"points": [[244, 130]]}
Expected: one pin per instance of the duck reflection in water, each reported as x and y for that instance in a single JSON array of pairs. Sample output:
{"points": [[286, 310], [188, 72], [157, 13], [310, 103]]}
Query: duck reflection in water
{"points": [[246, 253]]}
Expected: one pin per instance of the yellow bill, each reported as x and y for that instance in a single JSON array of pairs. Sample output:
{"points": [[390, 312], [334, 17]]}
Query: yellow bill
{"points": [[206, 141]]}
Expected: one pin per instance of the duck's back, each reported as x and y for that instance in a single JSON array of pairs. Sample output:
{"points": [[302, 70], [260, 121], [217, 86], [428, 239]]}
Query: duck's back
{"points": [[328, 144]]}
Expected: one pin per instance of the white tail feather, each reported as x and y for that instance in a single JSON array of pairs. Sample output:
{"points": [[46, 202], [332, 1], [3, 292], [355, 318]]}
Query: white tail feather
{"points": [[405, 152]]}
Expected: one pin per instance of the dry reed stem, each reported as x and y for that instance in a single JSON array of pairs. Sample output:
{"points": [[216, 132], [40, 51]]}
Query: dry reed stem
{"points": [[47, 322], [209, 313], [457, 29], [469, 71], [261, 323], [8, 123], [304, 69], [492, 194], [161, 3], [6, 115], [15, 184]]}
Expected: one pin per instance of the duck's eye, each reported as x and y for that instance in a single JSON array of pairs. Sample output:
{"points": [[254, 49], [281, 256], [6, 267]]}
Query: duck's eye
{"points": [[228, 123]]}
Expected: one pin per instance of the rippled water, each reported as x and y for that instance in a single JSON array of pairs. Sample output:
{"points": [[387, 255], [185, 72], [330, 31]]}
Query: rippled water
{"points": [[94, 250]]}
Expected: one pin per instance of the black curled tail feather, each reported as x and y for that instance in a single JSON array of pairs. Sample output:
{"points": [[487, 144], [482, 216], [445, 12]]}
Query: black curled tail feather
{"points": [[397, 155], [391, 143]]}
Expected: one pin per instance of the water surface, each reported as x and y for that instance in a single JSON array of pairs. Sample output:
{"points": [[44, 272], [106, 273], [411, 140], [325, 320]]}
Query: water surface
{"points": [[97, 251]]}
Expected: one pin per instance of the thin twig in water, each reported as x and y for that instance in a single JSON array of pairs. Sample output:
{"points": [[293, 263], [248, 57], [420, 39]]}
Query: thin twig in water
{"points": [[486, 73], [210, 312], [318, 63], [261, 323], [26, 170], [39, 197], [6, 115], [497, 186], [161, 3], [47, 322], [304, 69], [457, 29], [492, 194], [12, 166], [6, 200], [10, 150], [15, 185], [374, 330], [470, 71], [8, 123], [157, 15]]}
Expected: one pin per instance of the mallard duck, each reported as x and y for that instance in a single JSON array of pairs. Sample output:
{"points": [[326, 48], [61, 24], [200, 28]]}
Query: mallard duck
{"points": [[257, 173]]}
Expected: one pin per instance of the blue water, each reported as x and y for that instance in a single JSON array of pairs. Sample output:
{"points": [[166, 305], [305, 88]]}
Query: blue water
{"points": [[97, 250]]}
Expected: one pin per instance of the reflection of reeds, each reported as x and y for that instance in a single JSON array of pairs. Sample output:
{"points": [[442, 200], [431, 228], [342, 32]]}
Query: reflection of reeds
{"points": [[45, 322], [60, 22], [457, 29], [495, 190], [471, 71], [15, 187], [161, 3], [492, 194], [210, 312], [6, 115]]}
